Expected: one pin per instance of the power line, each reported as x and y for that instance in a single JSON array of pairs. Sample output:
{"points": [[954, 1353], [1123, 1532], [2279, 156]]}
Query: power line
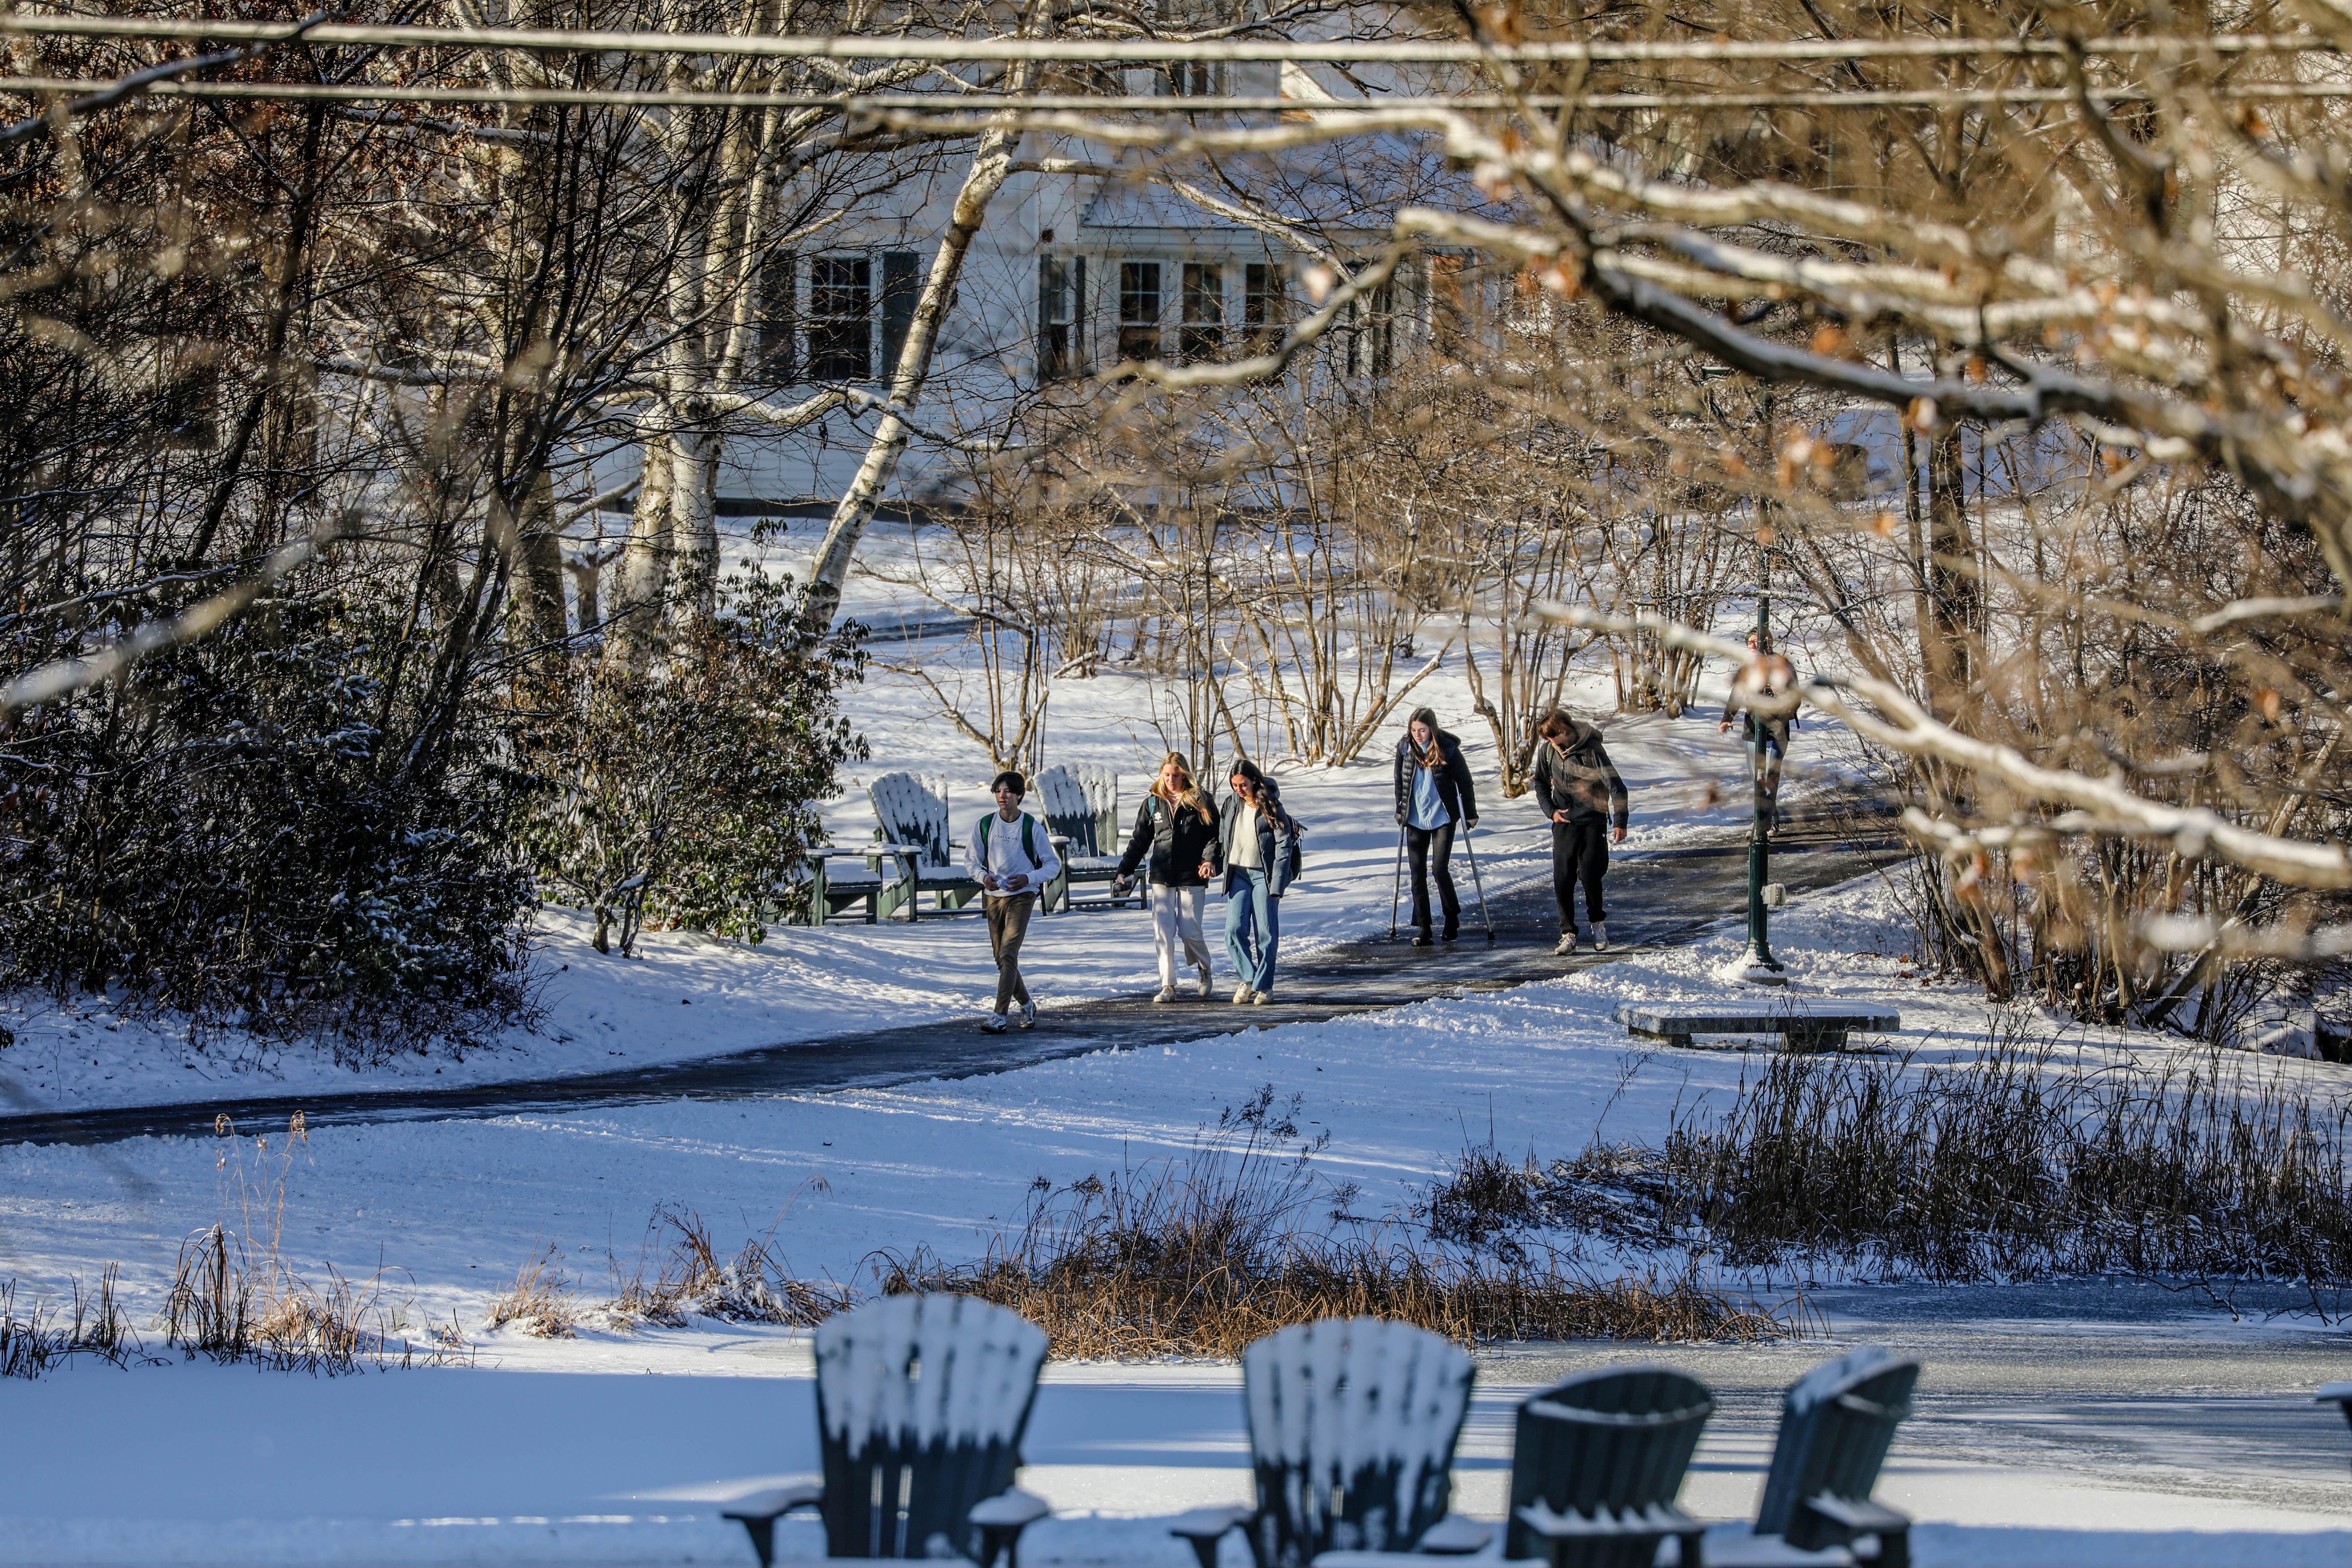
{"points": [[978, 105], [1143, 51]]}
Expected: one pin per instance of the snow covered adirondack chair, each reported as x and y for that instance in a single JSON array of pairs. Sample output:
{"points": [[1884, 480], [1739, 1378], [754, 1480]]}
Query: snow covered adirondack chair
{"points": [[920, 1405], [1352, 1423], [1087, 855], [2336, 1394], [1835, 1426], [915, 833], [1596, 1464]]}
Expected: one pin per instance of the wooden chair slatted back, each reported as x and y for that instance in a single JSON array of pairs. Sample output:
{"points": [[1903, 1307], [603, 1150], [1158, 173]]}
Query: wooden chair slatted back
{"points": [[1100, 785], [1353, 1423], [921, 1402], [1065, 808], [1619, 1437], [1836, 1425], [911, 815]]}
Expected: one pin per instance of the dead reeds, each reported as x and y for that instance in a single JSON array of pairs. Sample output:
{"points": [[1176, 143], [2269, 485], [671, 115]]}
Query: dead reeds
{"points": [[540, 1302], [40, 1337], [2013, 1166], [1201, 1255], [234, 1297]]}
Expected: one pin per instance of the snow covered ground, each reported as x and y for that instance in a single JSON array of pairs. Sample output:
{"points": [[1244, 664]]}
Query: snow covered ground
{"points": [[688, 995], [549, 1451]]}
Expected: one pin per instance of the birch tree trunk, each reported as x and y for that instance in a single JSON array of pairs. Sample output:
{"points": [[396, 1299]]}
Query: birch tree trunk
{"points": [[642, 580], [991, 162]]}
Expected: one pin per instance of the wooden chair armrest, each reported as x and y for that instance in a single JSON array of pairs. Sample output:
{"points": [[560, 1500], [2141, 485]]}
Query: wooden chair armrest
{"points": [[1009, 1509], [1208, 1523], [1606, 1524], [1455, 1535], [1864, 1517], [776, 1502], [757, 1512], [1737, 1545], [1204, 1526]]}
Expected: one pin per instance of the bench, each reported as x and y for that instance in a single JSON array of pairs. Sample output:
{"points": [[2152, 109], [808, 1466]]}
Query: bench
{"points": [[914, 834], [840, 878], [1802, 1028], [1080, 808]]}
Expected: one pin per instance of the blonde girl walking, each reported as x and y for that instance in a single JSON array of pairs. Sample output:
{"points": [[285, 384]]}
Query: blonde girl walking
{"points": [[1175, 838]]}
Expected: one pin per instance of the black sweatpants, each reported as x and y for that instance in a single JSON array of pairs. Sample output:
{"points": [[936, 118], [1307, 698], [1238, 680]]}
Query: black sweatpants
{"points": [[1580, 853], [1423, 845]]}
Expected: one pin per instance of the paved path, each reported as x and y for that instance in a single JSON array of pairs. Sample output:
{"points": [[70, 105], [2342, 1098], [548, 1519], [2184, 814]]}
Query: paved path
{"points": [[1657, 898]]}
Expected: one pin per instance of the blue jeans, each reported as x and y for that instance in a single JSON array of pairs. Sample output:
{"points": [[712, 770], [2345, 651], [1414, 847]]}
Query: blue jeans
{"points": [[1252, 920]]}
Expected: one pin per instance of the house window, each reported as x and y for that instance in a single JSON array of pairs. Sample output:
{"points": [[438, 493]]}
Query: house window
{"points": [[901, 285], [1202, 336], [840, 319], [1061, 286], [1264, 306], [779, 302], [1192, 79], [1139, 310]]}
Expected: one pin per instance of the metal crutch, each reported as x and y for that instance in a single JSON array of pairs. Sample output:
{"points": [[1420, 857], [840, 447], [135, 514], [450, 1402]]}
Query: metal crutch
{"points": [[1396, 883], [1485, 920]]}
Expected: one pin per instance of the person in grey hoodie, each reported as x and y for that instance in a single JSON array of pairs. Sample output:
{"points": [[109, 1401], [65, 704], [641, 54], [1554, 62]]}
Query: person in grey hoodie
{"points": [[1579, 789]]}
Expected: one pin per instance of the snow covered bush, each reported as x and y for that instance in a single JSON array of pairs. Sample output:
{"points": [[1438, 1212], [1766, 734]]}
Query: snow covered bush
{"points": [[685, 794], [268, 829]]}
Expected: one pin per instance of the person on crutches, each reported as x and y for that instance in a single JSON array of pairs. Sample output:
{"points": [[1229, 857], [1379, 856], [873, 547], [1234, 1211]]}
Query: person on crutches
{"points": [[1433, 795]]}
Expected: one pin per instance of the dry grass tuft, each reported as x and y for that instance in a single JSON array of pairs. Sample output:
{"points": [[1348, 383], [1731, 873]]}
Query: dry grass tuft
{"points": [[693, 1278], [540, 1302], [1202, 1255], [234, 1298]]}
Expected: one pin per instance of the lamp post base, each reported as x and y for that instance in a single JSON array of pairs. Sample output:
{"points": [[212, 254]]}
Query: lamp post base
{"points": [[1753, 968]]}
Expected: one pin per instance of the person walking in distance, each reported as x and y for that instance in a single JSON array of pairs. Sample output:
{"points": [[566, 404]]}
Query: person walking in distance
{"points": [[1579, 789], [1011, 856], [1256, 837], [1176, 828], [1766, 677], [1433, 794]]}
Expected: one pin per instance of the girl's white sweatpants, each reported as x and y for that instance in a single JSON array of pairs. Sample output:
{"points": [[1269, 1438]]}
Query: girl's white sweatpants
{"points": [[1176, 920]]}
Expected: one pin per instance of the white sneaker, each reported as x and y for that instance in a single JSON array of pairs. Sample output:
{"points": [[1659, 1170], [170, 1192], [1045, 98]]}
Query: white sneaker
{"points": [[1263, 997], [1242, 993], [1165, 993], [1566, 948], [1600, 936], [1028, 1015], [1204, 981], [993, 1025]]}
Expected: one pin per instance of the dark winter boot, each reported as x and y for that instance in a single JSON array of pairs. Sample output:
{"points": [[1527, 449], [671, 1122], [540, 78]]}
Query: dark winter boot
{"points": [[1453, 927], [1420, 936]]}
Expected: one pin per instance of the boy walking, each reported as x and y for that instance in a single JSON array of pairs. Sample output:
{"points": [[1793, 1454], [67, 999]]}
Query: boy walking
{"points": [[1579, 789], [1011, 856]]}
